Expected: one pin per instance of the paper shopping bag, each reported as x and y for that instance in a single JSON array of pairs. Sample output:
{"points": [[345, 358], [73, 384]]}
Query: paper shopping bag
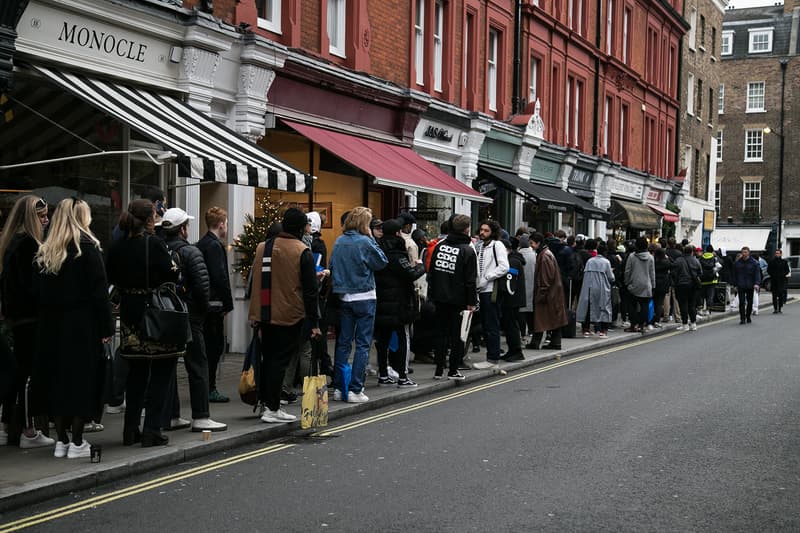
{"points": [[315, 402]]}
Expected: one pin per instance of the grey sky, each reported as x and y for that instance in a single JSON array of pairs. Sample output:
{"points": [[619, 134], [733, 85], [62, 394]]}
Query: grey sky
{"points": [[751, 3]]}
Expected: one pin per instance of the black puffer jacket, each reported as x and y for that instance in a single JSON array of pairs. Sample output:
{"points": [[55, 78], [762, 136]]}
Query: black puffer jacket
{"points": [[195, 284], [397, 302]]}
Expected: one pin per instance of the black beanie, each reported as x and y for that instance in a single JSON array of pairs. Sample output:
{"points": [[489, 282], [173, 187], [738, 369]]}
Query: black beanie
{"points": [[294, 222], [392, 226]]}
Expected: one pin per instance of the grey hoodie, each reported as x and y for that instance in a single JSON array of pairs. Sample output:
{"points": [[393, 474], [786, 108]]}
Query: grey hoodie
{"points": [[640, 274]]}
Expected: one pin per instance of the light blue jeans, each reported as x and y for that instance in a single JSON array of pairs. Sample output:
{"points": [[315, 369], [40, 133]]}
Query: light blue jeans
{"points": [[356, 324]]}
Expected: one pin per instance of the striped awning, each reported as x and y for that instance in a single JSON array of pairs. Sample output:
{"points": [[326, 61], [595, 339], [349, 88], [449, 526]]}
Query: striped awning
{"points": [[206, 149]]}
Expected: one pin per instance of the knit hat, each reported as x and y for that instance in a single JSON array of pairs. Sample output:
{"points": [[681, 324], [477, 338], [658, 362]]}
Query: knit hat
{"points": [[392, 226], [294, 222], [621, 249]]}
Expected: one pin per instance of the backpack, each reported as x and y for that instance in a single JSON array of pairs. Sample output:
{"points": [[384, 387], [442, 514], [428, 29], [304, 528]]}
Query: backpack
{"points": [[708, 265]]}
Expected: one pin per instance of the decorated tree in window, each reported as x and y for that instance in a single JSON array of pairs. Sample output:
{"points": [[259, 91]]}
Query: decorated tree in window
{"points": [[255, 232]]}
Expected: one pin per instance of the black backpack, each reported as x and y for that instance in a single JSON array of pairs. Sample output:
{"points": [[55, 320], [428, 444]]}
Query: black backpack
{"points": [[707, 265]]}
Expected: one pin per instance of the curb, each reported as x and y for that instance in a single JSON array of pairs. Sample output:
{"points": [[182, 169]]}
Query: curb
{"points": [[102, 473]]}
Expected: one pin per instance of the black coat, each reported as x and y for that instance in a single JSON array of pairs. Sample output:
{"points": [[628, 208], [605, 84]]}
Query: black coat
{"points": [[778, 268], [397, 300], [74, 317], [516, 300], [16, 281], [195, 283], [216, 259], [663, 275], [453, 274]]}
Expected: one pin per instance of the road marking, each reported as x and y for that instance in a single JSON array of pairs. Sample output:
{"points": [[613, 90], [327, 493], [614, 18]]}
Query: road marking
{"points": [[166, 480], [136, 489]]}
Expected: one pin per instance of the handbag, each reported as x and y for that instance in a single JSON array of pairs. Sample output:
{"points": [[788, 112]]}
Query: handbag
{"points": [[248, 382], [165, 319], [314, 408]]}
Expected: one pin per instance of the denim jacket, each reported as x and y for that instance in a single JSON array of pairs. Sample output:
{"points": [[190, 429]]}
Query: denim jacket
{"points": [[354, 259]]}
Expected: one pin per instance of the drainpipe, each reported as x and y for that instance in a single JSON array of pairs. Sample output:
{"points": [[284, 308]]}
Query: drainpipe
{"points": [[516, 106], [597, 42]]}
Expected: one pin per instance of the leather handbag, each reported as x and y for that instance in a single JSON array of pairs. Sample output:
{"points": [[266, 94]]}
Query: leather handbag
{"points": [[166, 318]]}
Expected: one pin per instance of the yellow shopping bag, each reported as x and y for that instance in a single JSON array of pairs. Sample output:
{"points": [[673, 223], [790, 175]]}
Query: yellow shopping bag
{"points": [[315, 402]]}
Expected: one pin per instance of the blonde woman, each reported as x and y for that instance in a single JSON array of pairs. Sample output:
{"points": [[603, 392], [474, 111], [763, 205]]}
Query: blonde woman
{"points": [[74, 322], [354, 259], [19, 242]]}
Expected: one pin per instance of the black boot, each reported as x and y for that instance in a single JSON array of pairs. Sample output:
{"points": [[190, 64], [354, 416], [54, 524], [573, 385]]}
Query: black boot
{"points": [[131, 436], [150, 439]]}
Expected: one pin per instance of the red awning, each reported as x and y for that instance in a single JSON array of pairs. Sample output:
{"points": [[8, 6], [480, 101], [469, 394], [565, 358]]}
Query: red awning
{"points": [[668, 215], [391, 165]]}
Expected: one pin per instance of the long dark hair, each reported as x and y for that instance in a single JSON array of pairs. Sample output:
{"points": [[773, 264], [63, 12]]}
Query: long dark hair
{"points": [[134, 220]]}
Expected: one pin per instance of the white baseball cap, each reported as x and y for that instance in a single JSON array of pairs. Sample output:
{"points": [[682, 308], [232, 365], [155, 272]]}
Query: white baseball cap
{"points": [[174, 217]]}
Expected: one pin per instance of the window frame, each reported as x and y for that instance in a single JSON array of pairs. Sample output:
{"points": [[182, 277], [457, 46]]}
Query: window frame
{"points": [[419, 43], [626, 20], [727, 35], [721, 99], [339, 9], [533, 79], [272, 24], [492, 68], [748, 149], [749, 97], [718, 197], [757, 197], [610, 27], [720, 141], [752, 33], [692, 33], [438, 44], [690, 94]]}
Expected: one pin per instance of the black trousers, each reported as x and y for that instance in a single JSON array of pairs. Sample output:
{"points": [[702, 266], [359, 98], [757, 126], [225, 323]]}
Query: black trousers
{"points": [[509, 320], [278, 344], [778, 293], [658, 305], [32, 393], [639, 311], [196, 364], [745, 302], [687, 303], [155, 377], [448, 318], [386, 356], [214, 335]]}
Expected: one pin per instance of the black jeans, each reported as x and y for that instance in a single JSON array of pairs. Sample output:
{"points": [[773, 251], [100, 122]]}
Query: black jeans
{"points": [[214, 336], [33, 393], [386, 356], [658, 305], [745, 302], [778, 294], [448, 319], [639, 311], [510, 321], [490, 320], [155, 377], [278, 344], [196, 365], [687, 304]]}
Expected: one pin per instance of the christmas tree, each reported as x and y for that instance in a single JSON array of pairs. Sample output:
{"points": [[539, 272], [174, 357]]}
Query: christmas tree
{"points": [[255, 232]]}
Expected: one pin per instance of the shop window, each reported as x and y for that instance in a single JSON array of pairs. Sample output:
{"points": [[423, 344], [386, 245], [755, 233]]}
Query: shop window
{"points": [[337, 10], [269, 15]]}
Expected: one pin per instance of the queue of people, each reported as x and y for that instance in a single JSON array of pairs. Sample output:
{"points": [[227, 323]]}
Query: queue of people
{"points": [[376, 286]]}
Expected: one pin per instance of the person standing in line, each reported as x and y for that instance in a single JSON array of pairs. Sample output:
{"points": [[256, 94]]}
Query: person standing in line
{"points": [[686, 272], [640, 278], [412, 248], [194, 290], [22, 235], [594, 302], [220, 298], [709, 278], [284, 307], [74, 323], [452, 289], [747, 277], [355, 258], [492, 265], [396, 306], [526, 311], [779, 271], [134, 260], [511, 299], [663, 268], [549, 308]]}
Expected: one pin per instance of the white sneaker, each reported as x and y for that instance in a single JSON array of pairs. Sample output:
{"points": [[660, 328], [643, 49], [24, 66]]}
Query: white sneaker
{"points": [[61, 450], [206, 424], [680, 328], [352, 397], [179, 423], [649, 327], [277, 417], [76, 452], [337, 395], [115, 409], [393, 373], [37, 441], [3, 437], [692, 326]]}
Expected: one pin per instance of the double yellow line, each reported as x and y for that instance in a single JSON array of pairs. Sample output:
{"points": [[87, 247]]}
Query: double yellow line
{"points": [[96, 501]]}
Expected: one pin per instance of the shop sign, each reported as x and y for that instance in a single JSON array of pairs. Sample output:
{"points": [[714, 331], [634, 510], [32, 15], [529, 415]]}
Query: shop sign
{"points": [[555, 207], [440, 134], [581, 178], [426, 214], [627, 189], [654, 196], [543, 170], [709, 218]]}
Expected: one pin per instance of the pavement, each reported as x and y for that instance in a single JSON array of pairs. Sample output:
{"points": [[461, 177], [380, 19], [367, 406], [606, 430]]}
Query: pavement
{"points": [[30, 476]]}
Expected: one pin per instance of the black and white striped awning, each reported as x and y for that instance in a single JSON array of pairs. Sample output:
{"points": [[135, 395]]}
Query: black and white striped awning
{"points": [[206, 149]]}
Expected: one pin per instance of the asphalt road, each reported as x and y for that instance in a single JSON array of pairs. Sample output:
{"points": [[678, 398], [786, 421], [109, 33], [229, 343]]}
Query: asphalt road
{"points": [[692, 431]]}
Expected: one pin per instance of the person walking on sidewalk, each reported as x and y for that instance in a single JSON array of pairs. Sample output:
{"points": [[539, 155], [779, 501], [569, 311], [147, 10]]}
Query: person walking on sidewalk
{"points": [[74, 323], [397, 305], [492, 265], [355, 258], [22, 235], [452, 289], [220, 298], [594, 302], [194, 290], [640, 278], [549, 310], [779, 271], [686, 272], [747, 278], [284, 307]]}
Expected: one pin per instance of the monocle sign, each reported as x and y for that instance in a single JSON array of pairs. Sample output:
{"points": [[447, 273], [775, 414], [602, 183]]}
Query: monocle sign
{"points": [[64, 36]]}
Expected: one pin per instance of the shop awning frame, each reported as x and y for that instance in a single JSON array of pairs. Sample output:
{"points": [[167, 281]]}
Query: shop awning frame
{"points": [[389, 164], [206, 150], [669, 216], [637, 216]]}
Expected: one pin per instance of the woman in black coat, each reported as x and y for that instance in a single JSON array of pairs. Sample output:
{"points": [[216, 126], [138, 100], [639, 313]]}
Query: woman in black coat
{"points": [[74, 322], [22, 235], [663, 267], [397, 305], [152, 365]]}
